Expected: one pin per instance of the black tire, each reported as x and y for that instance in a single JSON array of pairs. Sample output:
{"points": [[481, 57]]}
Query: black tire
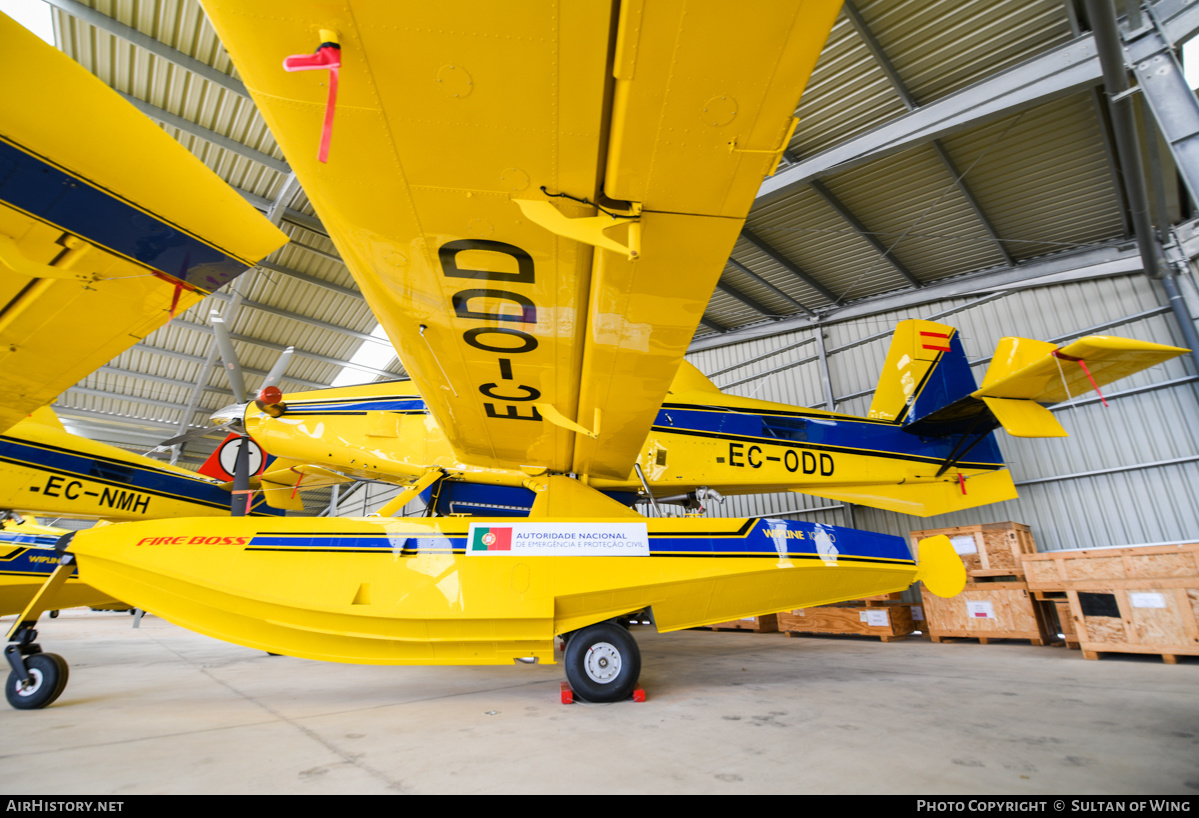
{"points": [[54, 614], [49, 673], [603, 663]]}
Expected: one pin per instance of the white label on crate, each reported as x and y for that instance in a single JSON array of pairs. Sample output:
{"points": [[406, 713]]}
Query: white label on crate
{"points": [[861, 616], [748, 618], [964, 545], [1147, 600], [877, 619], [980, 610], [918, 613]]}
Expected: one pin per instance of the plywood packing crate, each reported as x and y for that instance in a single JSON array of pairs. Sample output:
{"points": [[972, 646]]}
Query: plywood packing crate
{"points": [[989, 549], [888, 622], [1126, 600], [990, 610], [757, 624]]}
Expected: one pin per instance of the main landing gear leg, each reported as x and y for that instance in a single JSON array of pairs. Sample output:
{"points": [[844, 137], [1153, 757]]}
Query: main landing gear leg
{"points": [[602, 662], [36, 678]]}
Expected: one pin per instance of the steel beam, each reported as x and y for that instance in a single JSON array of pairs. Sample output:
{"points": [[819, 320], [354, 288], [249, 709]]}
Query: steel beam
{"points": [[287, 192], [1173, 103], [131, 35], [1097, 262], [1066, 69], [786, 264], [909, 101], [771, 354], [269, 345], [120, 420], [1177, 461], [713, 325], [763, 282], [98, 393], [868, 236], [282, 313], [142, 376], [220, 140], [310, 279], [729, 289]]}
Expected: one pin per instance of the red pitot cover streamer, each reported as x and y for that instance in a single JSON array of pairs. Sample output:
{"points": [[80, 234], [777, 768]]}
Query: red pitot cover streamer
{"points": [[1086, 371], [327, 57]]}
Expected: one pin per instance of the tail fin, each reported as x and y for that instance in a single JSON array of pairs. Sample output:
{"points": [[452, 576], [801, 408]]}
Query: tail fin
{"points": [[926, 374], [926, 369]]}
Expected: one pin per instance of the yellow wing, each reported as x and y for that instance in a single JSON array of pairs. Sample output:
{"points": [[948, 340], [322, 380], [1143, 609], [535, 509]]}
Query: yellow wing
{"points": [[469, 142], [107, 224]]}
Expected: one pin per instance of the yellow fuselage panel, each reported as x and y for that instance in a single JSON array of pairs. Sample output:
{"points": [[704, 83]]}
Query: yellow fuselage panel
{"points": [[333, 428]]}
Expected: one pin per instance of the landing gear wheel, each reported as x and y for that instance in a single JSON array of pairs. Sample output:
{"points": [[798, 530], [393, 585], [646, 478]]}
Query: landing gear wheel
{"points": [[603, 663], [48, 674], [54, 614]]}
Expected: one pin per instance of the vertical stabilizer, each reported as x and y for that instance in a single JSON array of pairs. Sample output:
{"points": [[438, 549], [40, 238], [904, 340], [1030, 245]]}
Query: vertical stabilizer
{"points": [[926, 368]]}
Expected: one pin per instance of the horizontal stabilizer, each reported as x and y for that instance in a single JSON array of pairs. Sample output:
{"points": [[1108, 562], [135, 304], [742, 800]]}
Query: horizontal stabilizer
{"points": [[1026, 375], [1024, 418], [926, 499], [1058, 374]]}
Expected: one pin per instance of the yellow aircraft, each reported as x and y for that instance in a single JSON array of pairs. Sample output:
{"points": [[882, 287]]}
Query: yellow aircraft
{"points": [[926, 446], [46, 470], [537, 201], [97, 227]]}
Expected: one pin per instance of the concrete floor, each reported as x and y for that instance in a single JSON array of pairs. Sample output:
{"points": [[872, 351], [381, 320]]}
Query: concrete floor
{"points": [[162, 710]]}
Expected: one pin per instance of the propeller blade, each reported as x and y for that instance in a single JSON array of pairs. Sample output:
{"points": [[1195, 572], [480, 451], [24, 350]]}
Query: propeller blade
{"points": [[228, 356], [276, 374]]}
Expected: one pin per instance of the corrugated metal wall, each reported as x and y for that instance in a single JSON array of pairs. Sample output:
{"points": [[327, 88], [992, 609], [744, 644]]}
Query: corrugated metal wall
{"points": [[1158, 503]]}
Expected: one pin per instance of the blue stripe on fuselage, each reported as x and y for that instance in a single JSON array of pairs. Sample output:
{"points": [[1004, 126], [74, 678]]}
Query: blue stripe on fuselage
{"points": [[373, 404], [759, 537], [866, 437], [49, 193]]}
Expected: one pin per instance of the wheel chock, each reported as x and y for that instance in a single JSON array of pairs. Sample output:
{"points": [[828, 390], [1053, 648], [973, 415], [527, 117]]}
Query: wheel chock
{"points": [[568, 695]]}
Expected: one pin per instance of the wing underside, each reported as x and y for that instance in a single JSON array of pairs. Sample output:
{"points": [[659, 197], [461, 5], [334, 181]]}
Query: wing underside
{"points": [[101, 239], [463, 175]]}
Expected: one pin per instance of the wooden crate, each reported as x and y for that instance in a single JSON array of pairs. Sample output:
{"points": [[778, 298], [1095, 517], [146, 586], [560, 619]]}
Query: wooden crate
{"points": [[890, 623], [1125, 600], [1169, 566], [758, 624], [998, 547], [992, 610], [1161, 621]]}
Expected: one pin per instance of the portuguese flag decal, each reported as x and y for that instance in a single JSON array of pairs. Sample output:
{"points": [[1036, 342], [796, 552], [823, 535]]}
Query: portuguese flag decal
{"points": [[494, 538]]}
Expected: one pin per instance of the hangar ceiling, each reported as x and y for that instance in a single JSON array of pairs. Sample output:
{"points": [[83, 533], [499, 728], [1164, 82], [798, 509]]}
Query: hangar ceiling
{"points": [[939, 142]]}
